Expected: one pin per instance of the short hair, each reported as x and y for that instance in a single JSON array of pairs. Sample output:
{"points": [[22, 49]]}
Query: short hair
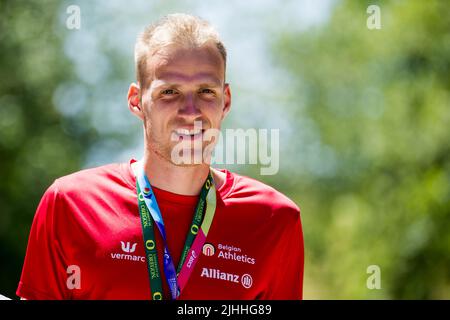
{"points": [[179, 29]]}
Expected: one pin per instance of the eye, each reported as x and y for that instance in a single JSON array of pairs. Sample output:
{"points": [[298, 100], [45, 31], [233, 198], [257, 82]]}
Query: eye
{"points": [[168, 92], [207, 91]]}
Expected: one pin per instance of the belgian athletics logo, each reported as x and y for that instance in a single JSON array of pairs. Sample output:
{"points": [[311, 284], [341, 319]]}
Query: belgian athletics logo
{"points": [[208, 249]]}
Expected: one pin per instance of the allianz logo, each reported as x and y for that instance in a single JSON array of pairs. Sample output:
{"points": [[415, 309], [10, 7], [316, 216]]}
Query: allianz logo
{"points": [[246, 279], [127, 248]]}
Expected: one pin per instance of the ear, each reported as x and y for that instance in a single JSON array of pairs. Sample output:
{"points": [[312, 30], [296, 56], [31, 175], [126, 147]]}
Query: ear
{"points": [[134, 103], [227, 100]]}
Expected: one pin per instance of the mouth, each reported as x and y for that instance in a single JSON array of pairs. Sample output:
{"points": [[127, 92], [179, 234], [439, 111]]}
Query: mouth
{"points": [[183, 134]]}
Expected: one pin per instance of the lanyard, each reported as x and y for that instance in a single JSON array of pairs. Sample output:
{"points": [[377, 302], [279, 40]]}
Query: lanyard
{"points": [[150, 212]]}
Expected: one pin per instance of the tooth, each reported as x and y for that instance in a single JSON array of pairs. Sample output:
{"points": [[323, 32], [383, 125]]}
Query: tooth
{"points": [[188, 132], [182, 131]]}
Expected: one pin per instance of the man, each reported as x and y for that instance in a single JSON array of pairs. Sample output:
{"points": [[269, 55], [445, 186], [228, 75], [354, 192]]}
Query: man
{"points": [[162, 228]]}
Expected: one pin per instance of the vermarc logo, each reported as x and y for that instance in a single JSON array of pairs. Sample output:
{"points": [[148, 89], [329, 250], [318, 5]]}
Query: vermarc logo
{"points": [[127, 248]]}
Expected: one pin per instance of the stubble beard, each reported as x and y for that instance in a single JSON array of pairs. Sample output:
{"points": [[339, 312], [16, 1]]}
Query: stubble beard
{"points": [[164, 149]]}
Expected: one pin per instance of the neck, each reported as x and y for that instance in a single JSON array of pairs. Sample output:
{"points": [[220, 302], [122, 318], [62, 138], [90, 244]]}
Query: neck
{"points": [[177, 179]]}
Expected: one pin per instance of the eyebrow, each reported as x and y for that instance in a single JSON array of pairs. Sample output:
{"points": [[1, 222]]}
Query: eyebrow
{"points": [[205, 78]]}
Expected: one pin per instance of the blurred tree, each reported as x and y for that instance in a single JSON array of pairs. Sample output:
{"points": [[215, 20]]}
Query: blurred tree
{"points": [[373, 104], [37, 144], [379, 100]]}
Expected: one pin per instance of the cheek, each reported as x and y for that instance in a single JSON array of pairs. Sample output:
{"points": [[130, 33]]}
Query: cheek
{"points": [[214, 111], [159, 122]]}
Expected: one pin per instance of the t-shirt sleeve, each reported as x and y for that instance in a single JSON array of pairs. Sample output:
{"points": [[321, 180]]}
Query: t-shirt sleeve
{"points": [[288, 279], [44, 273]]}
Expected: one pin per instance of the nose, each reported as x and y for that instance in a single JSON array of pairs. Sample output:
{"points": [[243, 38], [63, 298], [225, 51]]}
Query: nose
{"points": [[189, 108]]}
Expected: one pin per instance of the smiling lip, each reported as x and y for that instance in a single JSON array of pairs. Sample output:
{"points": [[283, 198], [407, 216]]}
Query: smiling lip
{"points": [[189, 133]]}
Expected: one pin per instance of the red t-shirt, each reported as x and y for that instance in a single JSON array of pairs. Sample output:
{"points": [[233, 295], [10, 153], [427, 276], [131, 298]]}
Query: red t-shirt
{"points": [[90, 220]]}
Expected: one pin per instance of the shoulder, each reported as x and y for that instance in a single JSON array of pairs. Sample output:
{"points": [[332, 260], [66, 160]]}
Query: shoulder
{"points": [[88, 179], [72, 196], [252, 192]]}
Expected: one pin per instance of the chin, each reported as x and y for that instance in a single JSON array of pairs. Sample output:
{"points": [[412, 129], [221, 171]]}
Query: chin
{"points": [[187, 155], [190, 159], [187, 165]]}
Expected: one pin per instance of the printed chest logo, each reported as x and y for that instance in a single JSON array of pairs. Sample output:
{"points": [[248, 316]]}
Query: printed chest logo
{"points": [[227, 252], [208, 249], [128, 248], [246, 280]]}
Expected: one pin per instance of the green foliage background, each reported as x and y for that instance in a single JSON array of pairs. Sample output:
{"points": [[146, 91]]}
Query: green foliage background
{"points": [[368, 108], [380, 101], [37, 144]]}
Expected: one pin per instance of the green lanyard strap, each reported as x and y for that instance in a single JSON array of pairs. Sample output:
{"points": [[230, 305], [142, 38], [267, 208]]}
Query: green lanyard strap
{"points": [[150, 242], [150, 247]]}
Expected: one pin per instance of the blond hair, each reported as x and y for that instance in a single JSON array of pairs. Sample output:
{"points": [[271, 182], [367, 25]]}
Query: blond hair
{"points": [[174, 29]]}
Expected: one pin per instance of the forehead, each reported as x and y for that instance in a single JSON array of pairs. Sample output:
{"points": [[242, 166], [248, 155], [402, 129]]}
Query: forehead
{"points": [[177, 64]]}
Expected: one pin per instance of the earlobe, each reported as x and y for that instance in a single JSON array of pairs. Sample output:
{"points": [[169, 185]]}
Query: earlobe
{"points": [[134, 102], [135, 108]]}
